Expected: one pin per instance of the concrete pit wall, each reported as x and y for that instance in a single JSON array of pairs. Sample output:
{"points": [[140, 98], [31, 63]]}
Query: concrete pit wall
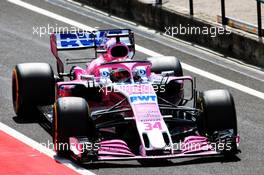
{"points": [[245, 48]]}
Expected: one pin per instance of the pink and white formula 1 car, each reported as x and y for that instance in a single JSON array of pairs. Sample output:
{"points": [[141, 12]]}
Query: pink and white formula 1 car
{"points": [[120, 109]]}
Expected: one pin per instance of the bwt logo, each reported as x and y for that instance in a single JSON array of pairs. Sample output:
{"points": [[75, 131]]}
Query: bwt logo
{"points": [[143, 98]]}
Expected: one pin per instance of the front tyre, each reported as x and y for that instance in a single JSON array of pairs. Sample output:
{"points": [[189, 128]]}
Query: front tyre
{"points": [[70, 119], [218, 115]]}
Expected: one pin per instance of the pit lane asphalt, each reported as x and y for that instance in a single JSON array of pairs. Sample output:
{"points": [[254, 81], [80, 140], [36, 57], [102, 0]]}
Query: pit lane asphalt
{"points": [[18, 44]]}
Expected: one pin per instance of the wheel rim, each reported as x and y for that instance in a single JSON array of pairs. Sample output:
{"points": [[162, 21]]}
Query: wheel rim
{"points": [[15, 91]]}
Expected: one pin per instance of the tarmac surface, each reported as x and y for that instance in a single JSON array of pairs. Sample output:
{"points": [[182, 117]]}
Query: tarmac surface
{"points": [[19, 44]]}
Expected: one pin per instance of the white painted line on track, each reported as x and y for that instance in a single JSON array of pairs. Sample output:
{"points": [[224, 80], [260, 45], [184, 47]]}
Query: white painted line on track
{"points": [[51, 14], [146, 51], [37, 146], [209, 75]]}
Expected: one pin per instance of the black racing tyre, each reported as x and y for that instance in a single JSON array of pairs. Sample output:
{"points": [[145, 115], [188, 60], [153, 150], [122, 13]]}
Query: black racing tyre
{"points": [[218, 111], [166, 63], [33, 84], [70, 118], [173, 90]]}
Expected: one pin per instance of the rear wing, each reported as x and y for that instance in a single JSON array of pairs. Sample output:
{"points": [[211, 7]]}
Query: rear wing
{"points": [[86, 40]]}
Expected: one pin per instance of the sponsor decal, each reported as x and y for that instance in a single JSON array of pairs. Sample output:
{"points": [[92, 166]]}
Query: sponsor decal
{"points": [[105, 73], [143, 98], [149, 112], [78, 40], [86, 39], [148, 126]]}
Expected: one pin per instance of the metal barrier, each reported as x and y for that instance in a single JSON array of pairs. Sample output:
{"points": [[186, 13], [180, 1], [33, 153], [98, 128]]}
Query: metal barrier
{"points": [[260, 31], [191, 7], [225, 19], [242, 25], [233, 22]]}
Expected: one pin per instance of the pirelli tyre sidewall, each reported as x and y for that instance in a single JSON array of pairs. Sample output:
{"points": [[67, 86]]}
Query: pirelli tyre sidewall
{"points": [[33, 84], [71, 118]]}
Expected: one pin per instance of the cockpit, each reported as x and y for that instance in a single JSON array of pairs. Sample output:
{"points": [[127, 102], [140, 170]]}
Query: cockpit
{"points": [[125, 72], [120, 75]]}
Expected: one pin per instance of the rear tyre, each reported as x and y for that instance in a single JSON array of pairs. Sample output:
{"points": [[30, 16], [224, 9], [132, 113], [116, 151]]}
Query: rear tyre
{"points": [[71, 118], [218, 113], [166, 63], [32, 85]]}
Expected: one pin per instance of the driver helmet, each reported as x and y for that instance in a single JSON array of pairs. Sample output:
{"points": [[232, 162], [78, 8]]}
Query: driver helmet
{"points": [[120, 75]]}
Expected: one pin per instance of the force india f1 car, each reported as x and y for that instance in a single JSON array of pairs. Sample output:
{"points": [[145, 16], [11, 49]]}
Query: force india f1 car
{"points": [[120, 109]]}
